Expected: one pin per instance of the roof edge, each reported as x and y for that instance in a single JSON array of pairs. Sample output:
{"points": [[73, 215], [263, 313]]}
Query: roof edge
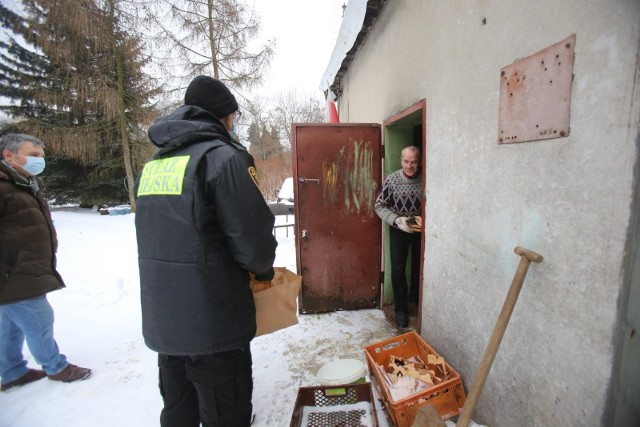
{"points": [[363, 14]]}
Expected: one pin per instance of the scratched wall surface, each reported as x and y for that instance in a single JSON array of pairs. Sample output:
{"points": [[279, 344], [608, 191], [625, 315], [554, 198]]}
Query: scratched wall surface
{"points": [[567, 198], [349, 176]]}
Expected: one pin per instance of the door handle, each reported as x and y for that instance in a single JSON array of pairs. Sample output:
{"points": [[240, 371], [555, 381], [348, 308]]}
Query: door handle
{"points": [[302, 179], [304, 234]]}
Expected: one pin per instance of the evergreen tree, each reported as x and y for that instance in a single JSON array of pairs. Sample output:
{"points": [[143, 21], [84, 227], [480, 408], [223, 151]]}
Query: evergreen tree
{"points": [[267, 146], [253, 134], [74, 74], [19, 64]]}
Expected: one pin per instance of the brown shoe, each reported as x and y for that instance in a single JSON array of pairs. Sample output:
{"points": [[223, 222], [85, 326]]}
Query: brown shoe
{"points": [[71, 373], [31, 376]]}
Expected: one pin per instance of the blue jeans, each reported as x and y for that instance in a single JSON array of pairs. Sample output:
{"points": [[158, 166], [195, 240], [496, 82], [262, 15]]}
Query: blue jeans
{"points": [[31, 319]]}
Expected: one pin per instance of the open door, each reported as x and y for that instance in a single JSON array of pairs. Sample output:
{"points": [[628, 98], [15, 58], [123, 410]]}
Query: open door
{"points": [[337, 176], [403, 129]]}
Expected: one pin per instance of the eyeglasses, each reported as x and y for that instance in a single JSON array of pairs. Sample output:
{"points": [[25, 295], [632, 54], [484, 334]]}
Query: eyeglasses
{"points": [[237, 114]]}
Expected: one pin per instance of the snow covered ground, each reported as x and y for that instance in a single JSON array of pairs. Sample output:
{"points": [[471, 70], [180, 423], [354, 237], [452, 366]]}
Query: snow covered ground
{"points": [[98, 326]]}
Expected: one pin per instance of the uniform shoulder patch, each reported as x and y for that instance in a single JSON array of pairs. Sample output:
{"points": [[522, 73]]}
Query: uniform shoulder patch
{"points": [[253, 173]]}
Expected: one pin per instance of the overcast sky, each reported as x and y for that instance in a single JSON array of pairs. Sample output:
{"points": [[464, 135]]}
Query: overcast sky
{"points": [[305, 33]]}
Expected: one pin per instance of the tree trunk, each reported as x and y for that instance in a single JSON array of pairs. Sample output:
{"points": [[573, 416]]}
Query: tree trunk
{"points": [[124, 134], [212, 41], [122, 117]]}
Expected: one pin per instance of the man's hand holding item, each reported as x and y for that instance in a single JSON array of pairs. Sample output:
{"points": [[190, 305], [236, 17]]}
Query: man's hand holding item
{"points": [[415, 222], [401, 223], [267, 276], [260, 282]]}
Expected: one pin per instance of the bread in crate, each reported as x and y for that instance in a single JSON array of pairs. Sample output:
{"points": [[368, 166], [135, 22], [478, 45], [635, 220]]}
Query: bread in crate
{"points": [[409, 374]]}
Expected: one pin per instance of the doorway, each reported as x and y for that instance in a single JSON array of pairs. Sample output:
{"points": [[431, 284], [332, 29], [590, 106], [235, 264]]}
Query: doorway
{"points": [[399, 131]]}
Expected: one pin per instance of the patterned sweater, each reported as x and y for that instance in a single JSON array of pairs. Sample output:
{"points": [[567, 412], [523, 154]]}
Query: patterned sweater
{"points": [[400, 196]]}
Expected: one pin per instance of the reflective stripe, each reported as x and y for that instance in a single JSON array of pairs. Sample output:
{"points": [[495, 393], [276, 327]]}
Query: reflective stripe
{"points": [[163, 176]]}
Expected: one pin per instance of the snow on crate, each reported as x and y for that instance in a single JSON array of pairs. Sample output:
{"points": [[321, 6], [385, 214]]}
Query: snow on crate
{"points": [[356, 414], [338, 405]]}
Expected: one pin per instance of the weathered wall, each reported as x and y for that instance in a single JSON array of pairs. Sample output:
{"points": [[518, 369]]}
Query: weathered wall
{"points": [[568, 199]]}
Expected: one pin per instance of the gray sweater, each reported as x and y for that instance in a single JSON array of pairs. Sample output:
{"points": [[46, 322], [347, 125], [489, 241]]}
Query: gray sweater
{"points": [[400, 196]]}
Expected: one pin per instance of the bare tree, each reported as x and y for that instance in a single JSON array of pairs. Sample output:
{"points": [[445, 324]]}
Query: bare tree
{"points": [[257, 110], [295, 107], [209, 37], [271, 174], [268, 133]]}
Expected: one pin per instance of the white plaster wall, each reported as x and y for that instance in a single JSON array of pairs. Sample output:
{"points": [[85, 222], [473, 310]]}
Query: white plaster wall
{"points": [[567, 199]]}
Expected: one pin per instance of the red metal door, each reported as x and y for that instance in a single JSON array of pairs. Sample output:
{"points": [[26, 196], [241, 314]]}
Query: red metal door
{"points": [[337, 175]]}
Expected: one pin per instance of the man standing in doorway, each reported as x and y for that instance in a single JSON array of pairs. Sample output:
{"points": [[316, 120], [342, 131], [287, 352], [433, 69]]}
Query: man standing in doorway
{"points": [[398, 204], [202, 226], [28, 272]]}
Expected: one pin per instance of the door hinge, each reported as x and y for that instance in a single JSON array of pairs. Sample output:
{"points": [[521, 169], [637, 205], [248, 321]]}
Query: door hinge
{"points": [[382, 151], [382, 277]]}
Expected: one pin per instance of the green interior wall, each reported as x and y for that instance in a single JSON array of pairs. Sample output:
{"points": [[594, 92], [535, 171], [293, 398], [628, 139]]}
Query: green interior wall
{"points": [[397, 136]]}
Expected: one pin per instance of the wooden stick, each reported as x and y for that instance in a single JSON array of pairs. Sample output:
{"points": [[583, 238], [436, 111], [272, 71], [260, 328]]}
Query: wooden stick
{"points": [[526, 257]]}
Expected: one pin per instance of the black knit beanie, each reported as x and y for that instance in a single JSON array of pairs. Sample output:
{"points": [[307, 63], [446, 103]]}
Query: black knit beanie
{"points": [[212, 95]]}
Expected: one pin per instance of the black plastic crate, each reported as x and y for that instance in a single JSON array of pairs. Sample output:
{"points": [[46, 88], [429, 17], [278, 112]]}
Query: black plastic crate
{"points": [[348, 405]]}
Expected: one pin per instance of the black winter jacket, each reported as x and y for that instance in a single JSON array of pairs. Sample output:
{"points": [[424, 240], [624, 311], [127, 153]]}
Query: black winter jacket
{"points": [[202, 225], [28, 240]]}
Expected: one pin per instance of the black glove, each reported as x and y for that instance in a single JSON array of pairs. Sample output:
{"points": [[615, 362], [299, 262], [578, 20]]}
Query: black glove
{"points": [[266, 276]]}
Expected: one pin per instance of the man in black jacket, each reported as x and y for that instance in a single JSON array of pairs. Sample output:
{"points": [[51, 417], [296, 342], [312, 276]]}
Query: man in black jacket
{"points": [[202, 226]]}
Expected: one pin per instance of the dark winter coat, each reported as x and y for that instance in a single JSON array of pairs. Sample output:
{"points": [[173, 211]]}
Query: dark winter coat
{"points": [[202, 225], [27, 239]]}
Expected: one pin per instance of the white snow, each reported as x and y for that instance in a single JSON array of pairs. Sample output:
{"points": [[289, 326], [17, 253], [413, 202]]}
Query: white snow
{"points": [[98, 326], [285, 194], [349, 30], [363, 409]]}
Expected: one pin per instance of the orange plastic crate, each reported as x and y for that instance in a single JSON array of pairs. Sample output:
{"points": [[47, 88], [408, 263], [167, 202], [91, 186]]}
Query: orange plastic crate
{"points": [[448, 397]]}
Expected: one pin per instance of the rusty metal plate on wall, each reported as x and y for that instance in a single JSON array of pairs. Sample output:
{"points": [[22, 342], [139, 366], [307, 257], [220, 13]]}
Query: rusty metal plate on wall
{"points": [[535, 95]]}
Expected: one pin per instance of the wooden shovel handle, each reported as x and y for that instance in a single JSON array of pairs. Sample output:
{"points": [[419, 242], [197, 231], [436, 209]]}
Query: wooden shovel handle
{"points": [[530, 255], [526, 257]]}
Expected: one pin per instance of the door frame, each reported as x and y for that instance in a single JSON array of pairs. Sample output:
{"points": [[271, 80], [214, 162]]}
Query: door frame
{"points": [[418, 107]]}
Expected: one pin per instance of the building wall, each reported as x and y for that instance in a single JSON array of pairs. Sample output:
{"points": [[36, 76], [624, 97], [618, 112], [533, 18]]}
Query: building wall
{"points": [[568, 199]]}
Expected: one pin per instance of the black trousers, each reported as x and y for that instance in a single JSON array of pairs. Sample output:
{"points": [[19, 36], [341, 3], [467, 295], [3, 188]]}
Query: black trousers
{"points": [[399, 244], [213, 389]]}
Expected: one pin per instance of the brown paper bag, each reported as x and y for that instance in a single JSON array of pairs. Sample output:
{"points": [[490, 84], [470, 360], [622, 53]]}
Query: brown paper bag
{"points": [[276, 306]]}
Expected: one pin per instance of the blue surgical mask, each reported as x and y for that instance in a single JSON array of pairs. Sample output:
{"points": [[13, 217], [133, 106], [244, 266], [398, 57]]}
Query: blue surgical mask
{"points": [[34, 165], [232, 132]]}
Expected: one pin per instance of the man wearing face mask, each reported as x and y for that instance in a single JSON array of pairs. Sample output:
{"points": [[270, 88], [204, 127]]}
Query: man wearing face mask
{"points": [[27, 268], [202, 227]]}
